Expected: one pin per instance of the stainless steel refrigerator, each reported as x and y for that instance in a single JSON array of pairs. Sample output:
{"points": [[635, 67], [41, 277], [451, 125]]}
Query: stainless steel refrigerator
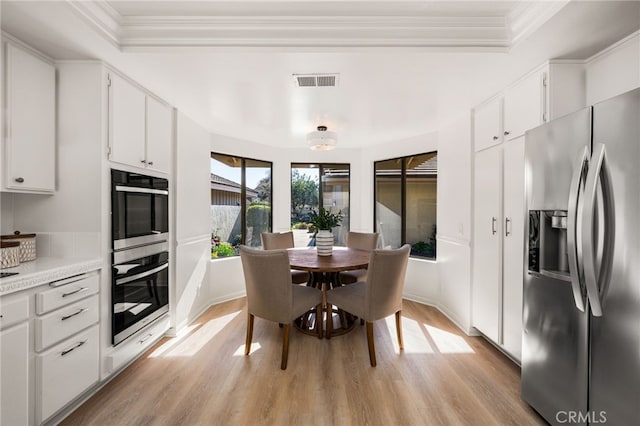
{"points": [[581, 316]]}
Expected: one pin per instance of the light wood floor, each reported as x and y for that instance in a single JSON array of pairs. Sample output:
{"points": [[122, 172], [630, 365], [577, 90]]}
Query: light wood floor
{"points": [[203, 378]]}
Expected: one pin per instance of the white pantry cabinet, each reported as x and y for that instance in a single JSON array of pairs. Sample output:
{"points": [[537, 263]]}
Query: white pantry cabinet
{"points": [[140, 126], [551, 90], [14, 360], [30, 128], [498, 240], [487, 242], [513, 245]]}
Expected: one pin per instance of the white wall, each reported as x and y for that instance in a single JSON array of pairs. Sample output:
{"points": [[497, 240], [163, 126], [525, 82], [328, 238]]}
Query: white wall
{"points": [[422, 283], [613, 71], [454, 221], [6, 213], [191, 293]]}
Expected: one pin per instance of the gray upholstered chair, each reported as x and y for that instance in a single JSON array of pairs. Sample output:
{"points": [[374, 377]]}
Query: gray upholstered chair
{"points": [[360, 241], [271, 296], [378, 297], [279, 241]]}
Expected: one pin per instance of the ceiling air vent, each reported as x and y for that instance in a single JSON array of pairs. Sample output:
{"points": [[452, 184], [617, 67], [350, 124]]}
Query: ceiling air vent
{"points": [[316, 80]]}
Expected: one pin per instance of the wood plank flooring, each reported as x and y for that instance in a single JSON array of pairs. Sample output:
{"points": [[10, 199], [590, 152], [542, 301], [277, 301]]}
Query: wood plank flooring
{"points": [[443, 377]]}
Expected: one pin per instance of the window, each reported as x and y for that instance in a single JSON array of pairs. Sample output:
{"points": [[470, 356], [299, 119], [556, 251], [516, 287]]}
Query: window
{"points": [[240, 203], [406, 201], [314, 186]]}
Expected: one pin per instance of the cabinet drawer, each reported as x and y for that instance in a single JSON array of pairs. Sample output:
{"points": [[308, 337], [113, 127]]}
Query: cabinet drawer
{"points": [[67, 291], [137, 343], [64, 322], [65, 371], [13, 310]]}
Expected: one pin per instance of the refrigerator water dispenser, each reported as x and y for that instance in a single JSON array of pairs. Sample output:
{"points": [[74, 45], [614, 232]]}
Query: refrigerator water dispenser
{"points": [[548, 242]]}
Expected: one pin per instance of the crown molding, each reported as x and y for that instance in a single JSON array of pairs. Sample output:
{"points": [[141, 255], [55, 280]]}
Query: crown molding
{"points": [[322, 31], [527, 17], [102, 17]]}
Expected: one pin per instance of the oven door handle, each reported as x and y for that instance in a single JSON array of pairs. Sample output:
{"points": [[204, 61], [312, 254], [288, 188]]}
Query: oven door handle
{"points": [[142, 274], [120, 188]]}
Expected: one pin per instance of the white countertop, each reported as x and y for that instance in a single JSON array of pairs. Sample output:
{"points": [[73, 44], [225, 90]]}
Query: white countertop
{"points": [[44, 270]]}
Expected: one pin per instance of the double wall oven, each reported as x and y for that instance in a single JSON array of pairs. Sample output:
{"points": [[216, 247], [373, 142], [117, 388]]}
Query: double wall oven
{"points": [[140, 262]]}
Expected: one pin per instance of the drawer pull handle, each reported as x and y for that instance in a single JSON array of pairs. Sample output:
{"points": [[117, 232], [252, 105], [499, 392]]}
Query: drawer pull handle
{"points": [[66, 351], [75, 291], [145, 338], [66, 317]]}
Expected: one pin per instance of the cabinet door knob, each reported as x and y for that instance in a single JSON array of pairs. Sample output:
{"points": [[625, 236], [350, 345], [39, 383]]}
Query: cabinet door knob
{"points": [[150, 163], [495, 138], [506, 132], [143, 161], [493, 225], [19, 179]]}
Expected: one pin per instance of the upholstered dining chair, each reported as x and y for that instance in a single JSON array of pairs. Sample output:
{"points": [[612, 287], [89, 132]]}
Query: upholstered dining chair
{"points": [[361, 241], [377, 297], [279, 241], [271, 296]]}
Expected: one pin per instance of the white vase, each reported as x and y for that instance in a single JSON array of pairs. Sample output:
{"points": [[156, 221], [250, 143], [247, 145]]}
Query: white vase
{"points": [[324, 242]]}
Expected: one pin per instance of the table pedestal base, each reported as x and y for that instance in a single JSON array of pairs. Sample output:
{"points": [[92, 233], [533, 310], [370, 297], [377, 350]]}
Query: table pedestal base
{"points": [[342, 322]]}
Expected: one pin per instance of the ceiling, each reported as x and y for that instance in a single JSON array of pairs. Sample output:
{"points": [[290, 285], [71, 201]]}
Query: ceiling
{"points": [[405, 67]]}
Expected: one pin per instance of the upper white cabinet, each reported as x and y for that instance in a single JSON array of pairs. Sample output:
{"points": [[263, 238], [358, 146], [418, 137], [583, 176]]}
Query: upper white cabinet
{"points": [[30, 129], [126, 122], [140, 127], [488, 124], [159, 135], [524, 105]]}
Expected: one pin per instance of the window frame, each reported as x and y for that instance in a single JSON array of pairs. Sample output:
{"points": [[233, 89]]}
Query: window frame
{"points": [[321, 168], [403, 197], [243, 192]]}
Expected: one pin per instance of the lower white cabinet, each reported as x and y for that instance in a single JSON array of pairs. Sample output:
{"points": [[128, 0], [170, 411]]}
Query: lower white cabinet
{"points": [[64, 371], [14, 371], [66, 342], [498, 244], [14, 360], [53, 327]]}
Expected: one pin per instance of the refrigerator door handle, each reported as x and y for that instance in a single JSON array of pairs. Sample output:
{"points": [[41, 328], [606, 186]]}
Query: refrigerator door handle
{"points": [[599, 171], [573, 251]]}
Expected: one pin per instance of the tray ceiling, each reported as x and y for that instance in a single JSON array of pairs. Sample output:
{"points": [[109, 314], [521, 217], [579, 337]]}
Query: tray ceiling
{"points": [[474, 25]]}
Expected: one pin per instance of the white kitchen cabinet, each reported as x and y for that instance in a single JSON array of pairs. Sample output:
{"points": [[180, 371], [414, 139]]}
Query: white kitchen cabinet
{"points": [[548, 92], [14, 360], [487, 242], [498, 244], [30, 128], [159, 135], [524, 105], [140, 127], [126, 122], [513, 246], [65, 371], [488, 124]]}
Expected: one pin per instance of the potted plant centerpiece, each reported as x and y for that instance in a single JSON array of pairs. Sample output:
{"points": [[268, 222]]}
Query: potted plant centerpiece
{"points": [[324, 221]]}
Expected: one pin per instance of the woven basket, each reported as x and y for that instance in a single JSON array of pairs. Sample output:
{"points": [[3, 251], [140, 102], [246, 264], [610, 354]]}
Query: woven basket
{"points": [[27, 244], [9, 254]]}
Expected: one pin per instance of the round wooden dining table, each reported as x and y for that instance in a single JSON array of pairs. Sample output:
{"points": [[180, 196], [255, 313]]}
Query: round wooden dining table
{"points": [[324, 274]]}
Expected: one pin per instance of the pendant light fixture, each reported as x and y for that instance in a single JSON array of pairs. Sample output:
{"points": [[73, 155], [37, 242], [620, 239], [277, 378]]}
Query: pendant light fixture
{"points": [[322, 139]]}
